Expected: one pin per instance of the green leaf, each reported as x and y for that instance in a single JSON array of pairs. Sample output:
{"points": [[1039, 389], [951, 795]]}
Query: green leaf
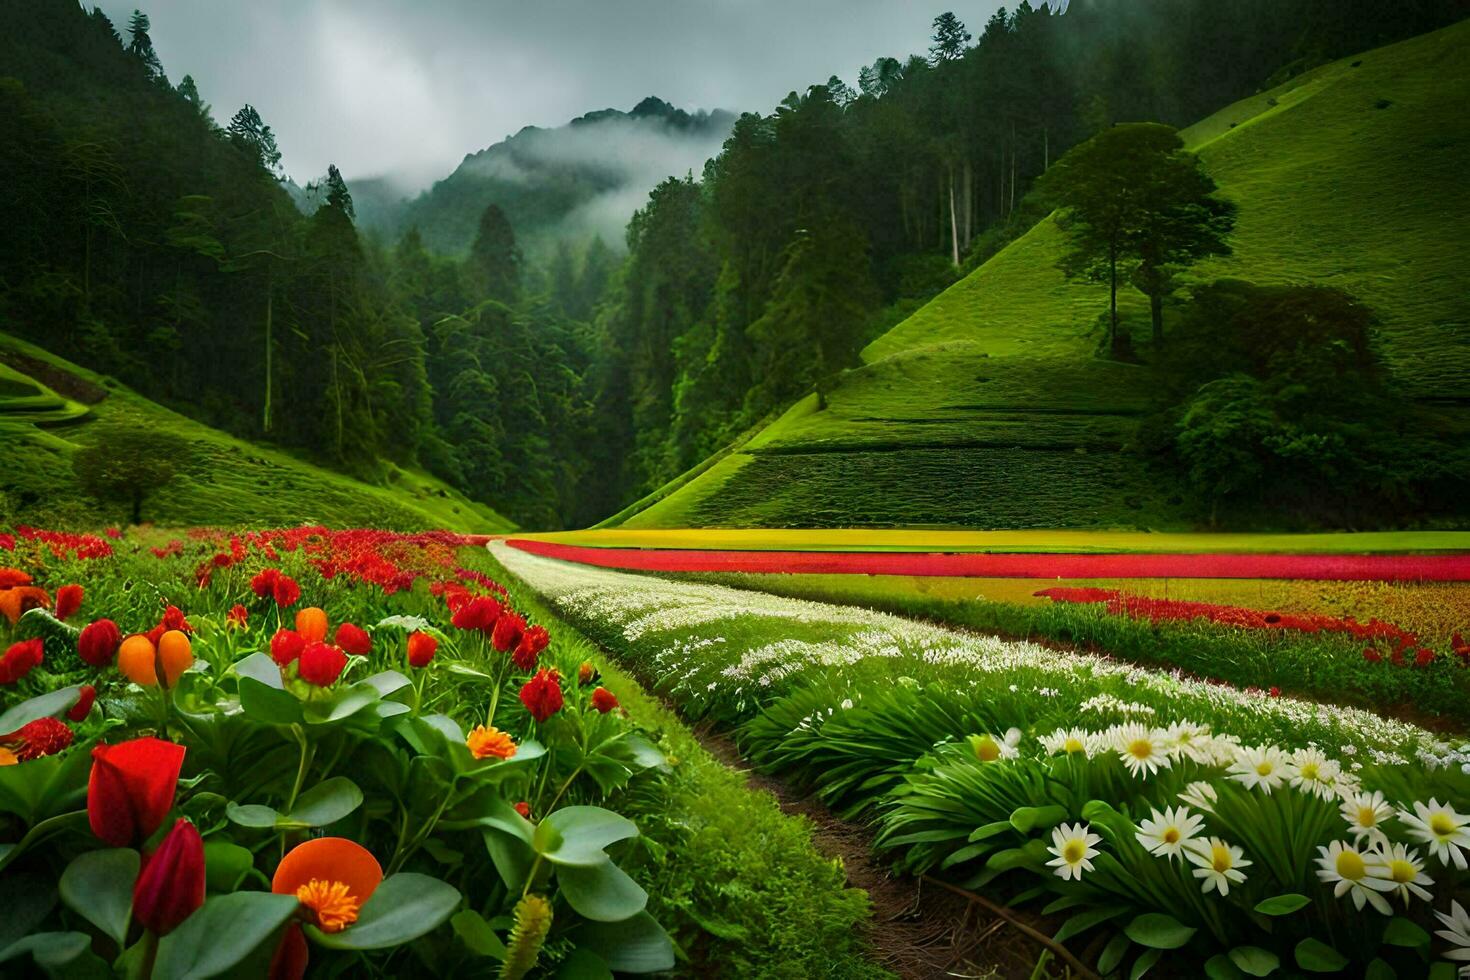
{"points": [[254, 815], [404, 907], [98, 886], [260, 668], [1283, 904], [1082, 921], [1443, 971], [50, 950], [225, 865], [266, 704], [226, 930], [1113, 953], [638, 945], [325, 803], [27, 899], [1219, 967], [583, 965], [1379, 970], [576, 835], [472, 930], [1254, 960], [1144, 963], [602, 892], [1159, 931], [990, 830], [1318, 957], [341, 705], [1029, 818], [387, 682], [1402, 932], [46, 705]]}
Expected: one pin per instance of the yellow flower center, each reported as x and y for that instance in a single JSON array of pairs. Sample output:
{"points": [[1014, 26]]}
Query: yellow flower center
{"points": [[1073, 745], [986, 750], [1367, 816], [1309, 770], [1402, 871], [1073, 850], [1264, 767], [1141, 748], [1171, 836], [1220, 858], [1442, 825], [335, 907], [7, 757], [1350, 865]]}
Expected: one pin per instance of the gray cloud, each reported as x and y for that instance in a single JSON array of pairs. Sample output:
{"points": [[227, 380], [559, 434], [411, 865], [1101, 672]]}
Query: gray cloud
{"points": [[407, 89]]}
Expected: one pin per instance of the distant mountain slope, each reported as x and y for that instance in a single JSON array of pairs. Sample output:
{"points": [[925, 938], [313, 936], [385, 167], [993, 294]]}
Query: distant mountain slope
{"points": [[985, 408], [584, 178], [50, 408]]}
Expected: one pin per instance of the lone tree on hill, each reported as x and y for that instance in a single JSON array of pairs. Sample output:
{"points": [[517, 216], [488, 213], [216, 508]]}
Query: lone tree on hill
{"points": [[126, 466], [1132, 196], [950, 39]]}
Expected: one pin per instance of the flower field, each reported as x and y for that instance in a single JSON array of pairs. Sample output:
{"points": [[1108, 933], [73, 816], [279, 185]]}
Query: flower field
{"points": [[1154, 818], [282, 751]]}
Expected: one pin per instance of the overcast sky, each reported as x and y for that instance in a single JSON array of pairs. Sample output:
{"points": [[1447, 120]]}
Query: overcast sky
{"points": [[408, 88]]}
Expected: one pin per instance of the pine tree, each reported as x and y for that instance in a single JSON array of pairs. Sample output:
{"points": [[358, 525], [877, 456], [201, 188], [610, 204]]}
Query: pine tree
{"points": [[338, 196], [494, 265], [950, 39], [141, 45], [190, 94], [253, 137]]}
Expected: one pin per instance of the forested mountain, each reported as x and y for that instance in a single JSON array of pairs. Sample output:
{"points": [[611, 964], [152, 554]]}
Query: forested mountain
{"points": [[569, 183]]}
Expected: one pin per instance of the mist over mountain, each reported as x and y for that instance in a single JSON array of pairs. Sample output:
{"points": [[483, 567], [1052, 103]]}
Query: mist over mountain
{"points": [[575, 181]]}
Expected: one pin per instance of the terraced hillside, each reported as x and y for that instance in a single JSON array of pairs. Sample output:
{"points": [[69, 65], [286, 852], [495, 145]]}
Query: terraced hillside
{"points": [[49, 408], [987, 407]]}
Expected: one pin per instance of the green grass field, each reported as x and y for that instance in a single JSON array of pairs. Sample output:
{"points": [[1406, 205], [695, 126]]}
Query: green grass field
{"points": [[229, 481], [986, 407]]}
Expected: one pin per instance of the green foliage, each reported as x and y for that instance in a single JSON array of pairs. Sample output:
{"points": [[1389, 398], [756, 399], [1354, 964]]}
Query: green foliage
{"points": [[128, 466]]}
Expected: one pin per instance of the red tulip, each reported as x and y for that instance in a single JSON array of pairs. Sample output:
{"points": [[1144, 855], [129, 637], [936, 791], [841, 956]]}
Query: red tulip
{"points": [[542, 694], [264, 582], [68, 601], [132, 788], [354, 639], [34, 739], [421, 649], [479, 613], [285, 591], [83, 707], [507, 631], [170, 885], [21, 659], [286, 646], [321, 664], [98, 642], [604, 701]]}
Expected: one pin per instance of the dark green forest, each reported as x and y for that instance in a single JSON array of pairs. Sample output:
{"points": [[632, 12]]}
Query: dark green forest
{"points": [[149, 236]]}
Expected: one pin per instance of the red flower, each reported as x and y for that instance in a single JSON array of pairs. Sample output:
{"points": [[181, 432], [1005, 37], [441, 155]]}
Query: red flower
{"points": [[170, 885], [321, 664], [524, 809], [173, 619], [1424, 657], [132, 788], [12, 578], [68, 601], [507, 632], [1372, 656], [542, 694], [285, 591], [21, 659], [291, 956], [479, 613], [286, 646], [238, 617], [604, 701], [587, 673], [83, 707], [98, 642], [533, 641], [354, 639], [1275, 692], [113, 533], [44, 736], [264, 582], [1396, 658], [421, 649]]}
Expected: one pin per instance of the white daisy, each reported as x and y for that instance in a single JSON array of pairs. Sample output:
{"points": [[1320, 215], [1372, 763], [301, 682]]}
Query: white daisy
{"points": [[1071, 741], [1166, 834], [988, 748], [1365, 813], [1314, 773], [1217, 864], [1350, 870], [1189, 740], [1200, 795], [1264, 766], [1457, 933], [1445, 831], [1404, 869], [1142, 749], [1072, 845]]}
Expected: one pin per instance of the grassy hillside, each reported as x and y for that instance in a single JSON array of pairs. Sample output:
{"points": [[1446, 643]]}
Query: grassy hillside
{"points": [[49, 408], [986, 407]]}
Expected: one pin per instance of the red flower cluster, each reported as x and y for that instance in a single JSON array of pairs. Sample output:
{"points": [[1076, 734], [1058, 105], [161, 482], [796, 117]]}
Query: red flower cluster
{"points": [[1402, 644], [533, 641], [321, 664], [34, 739], [63, 544], [98, 643], [286, 646], [354, 639], [542, 694], [21, 659], [271, 584]]}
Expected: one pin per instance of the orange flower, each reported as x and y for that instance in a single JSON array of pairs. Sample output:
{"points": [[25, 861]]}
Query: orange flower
{"points": [[332, 877], [487, 742], [17, 601]]}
